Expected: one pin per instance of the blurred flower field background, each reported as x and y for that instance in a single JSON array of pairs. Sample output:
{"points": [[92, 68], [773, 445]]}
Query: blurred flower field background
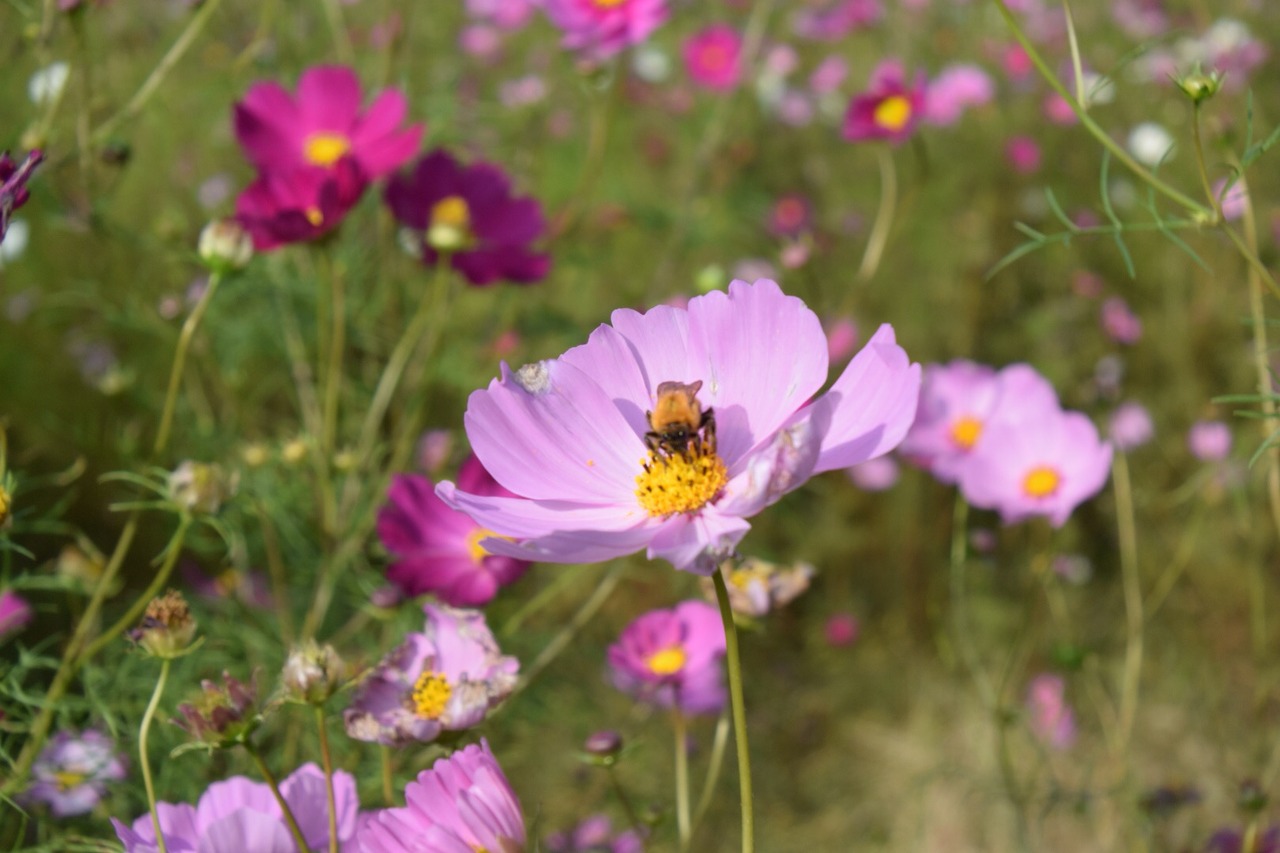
{"points": [[987, 478]]}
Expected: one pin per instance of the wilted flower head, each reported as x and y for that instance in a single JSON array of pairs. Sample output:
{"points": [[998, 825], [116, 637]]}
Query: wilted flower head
{"points": [[568, 435], [601, 28], [713, 57], [1130, 426], [312, 673], [890, 109], [70, 775], [469, 214], [437, 550], [200, 487], [15, 614], [13, 185], [594, 835], [671, 658], [444, 679], [220, 716], [240, 814], [1051, 717], [1209, 441], [167, 628], [757, 587], [462, 803]]}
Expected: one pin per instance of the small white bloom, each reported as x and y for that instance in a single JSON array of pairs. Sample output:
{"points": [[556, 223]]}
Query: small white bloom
{"points": [[15, 242], [46, 85], [1151, 144], [651, 64]]}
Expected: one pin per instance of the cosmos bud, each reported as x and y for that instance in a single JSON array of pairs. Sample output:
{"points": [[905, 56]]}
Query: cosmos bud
{"points": [[312, 673], [166, 629], [603, 747], [220, 716], [225, 246], [1198, 85]]}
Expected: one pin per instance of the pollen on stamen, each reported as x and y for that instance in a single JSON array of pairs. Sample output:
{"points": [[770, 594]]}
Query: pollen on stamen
{"points": [[680, 482], [1041, 482], [430, 694]]}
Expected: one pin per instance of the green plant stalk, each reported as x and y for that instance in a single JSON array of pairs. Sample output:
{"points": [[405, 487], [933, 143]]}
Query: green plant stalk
{"points": [[1126, 530], [337, 348], [602, 107], [1201, 166], [276, 571], [879, 238], [1089, 124], [280, 800], [734, 661], [388, 788], [153, 589], [718, 745], [959, 606], [341, 40], [162, 69], [185, 337], [143, 758], [1077, 67], [326, 760], [680, 731], [632, 818]]}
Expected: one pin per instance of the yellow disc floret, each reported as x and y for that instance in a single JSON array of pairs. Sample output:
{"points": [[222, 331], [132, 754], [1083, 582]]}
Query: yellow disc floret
{"points": [[68, 779], [668, 661], [1041, 482], [430, 694], [893, 113], [680, 482], [325, 149], [966, 431]]}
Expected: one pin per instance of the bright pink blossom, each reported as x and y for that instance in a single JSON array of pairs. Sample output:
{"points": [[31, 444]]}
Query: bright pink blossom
{"points": [[713, 57], [1023, 154], [672, 658], [890, 109], [567, 435], [1209, 441], [601, 28], [283, 207], [1051, 717], [954, 90], [15, 614]]}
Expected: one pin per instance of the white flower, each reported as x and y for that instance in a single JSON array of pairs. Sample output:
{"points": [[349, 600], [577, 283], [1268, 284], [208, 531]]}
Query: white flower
{"points": [[1151, 144], [15, 241], [46, 85]]}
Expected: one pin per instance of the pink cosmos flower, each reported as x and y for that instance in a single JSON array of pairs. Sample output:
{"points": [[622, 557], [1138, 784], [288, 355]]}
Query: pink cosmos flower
{"points": [[713, 57], [829, 76], [15, 614], [1209, 441], [1130, 426], [240, 814], [1119, 322], [601, 28], [876, 475], [832, 20], [1051, 717], [671, 658], [444, 679], [890, 109], [283, 207], [13, 185], [595, 835], [463, 803], [841, 629], [1233, 200], [1023, 154], [567, 435], [507, 14], [960, 401], [954, 90], [790, 216], [1046, 465], [324, 124], [437, 549], [842, 338], [72, 772]]}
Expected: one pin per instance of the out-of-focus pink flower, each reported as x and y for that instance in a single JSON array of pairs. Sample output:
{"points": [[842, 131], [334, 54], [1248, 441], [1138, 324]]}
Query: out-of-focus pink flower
{"points": [[601, 28], [72, 772], [794, 108], [1119, 322], [713, 57], [954, 90], [790, 216], [842, 338], [671, 658], [283, 207], [1233, 200], [433, 449], [1209, 441], [480, 41], [523, 91], [594, 835], [829, 76], [794, 255], [890, 109], [15, 614], [437, 550], [1017, 63], [463, 803], [249, 587], [780, 60], [832, 20], [13, 185], [841, 629], [1051, 717], [875, 475], [1023, 154], [1057, 110], [507, 14], [1086, 284], [1130, 426], [1140, 19]]}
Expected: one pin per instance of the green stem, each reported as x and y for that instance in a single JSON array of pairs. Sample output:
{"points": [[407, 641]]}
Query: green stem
{"points": [[162, 577], [1077, 67], [388, 787], [280, 800], [142, 751], [602, 106], [1201, 167], [962, 630], [884, 216], [341, 40], [718, 745], [1126, 529], [734, 662], [337, 346], [1087, 121], [680, 729], [327, 761], [180, 361], [632, 818]]}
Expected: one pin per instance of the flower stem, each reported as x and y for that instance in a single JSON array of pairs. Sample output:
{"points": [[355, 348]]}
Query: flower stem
{"points": [[142, 752], [179, 363], [294, 830], [337, 347], [1134, 620], [884, 216], [713, 771], [1200, 163], [632, 818], [680, 729], [326, 759], [959, 606], [388, 788], [739, 712]]}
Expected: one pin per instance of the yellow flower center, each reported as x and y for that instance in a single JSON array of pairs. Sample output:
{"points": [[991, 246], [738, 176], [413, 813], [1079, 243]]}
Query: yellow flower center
{"points": [[681, 482], [227, 582], [748, 574], [477, 551], [68, 779], [966, 431], [1041, 482], [314, 216], [324, 148], [893, 113], [430, 694], [668, 661], [608, 4], [450, 227]]}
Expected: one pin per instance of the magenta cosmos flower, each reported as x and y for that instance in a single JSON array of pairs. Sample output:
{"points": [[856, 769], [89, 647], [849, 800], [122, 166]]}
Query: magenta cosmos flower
{"points": [[1047, 466], [601, 28], [13, 185], [438, 549], [15, 614], [890, 109], [671, 658], [567, 435], [324, 124], [462, 804], [470, 214], [713, 57], [72, 772], [959, 401], [444, 679], [595, 835], [240, 814], [282, 207]]}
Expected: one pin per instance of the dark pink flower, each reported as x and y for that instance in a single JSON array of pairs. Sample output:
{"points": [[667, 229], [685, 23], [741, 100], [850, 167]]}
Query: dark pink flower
{"points": [[438, 549], [671, 658], [13, 185], [283, 207], [713, 57], [15, 613], [324, 124], [1023, 154], [790, 216], [890, 109], [470, 213], [842, 629]]}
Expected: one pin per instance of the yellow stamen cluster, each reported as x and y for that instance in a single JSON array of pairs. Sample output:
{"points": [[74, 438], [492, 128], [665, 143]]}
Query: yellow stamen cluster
{"points": [[681, 482], [477, 551], [966, 431], [668, 661], [893, 113], [68, 779], [325, 149], [609, 4], [450, 226], [1041, 482], [430, 694]]}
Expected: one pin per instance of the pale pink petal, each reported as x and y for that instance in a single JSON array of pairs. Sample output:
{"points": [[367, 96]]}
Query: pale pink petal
{"points": [[660, 340], [697, 543], [611, 360], [247, 830]]}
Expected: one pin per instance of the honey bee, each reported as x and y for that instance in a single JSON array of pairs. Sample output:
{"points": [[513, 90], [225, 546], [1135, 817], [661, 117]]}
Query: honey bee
{"points": [[678, 421]]}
